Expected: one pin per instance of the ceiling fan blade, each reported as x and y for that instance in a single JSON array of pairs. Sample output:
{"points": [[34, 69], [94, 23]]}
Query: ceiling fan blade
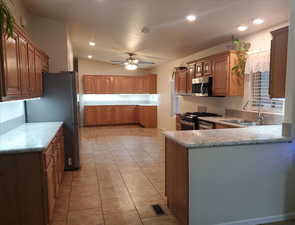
{"points": [[117, 62], [146, 63]]}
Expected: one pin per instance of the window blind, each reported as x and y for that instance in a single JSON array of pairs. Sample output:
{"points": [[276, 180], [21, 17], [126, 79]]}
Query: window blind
{"points": [[260, 93]]}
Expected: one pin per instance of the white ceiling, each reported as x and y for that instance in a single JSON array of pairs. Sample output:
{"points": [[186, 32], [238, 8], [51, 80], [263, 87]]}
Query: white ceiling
{"points": [[115, 25]]}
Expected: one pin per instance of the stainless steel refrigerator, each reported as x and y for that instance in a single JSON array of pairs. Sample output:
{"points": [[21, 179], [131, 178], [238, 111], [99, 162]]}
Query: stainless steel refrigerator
{"points": [[60, 102]]}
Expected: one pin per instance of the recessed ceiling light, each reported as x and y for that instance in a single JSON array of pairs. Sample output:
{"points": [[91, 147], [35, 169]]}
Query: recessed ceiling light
{"points": [[90, 57], [258, 21], [191, 18], [242, 28], [91, 43]]}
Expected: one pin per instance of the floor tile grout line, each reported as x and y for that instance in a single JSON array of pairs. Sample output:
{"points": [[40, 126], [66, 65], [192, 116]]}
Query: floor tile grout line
{"points": [[68, 208], [147, 177], [130, 195], [100, 196]]}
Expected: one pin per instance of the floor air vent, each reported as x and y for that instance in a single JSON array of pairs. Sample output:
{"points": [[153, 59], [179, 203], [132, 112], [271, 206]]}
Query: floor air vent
{"points": [[158, 210]]}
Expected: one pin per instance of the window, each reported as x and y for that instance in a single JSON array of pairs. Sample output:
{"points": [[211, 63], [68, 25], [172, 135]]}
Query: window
{"points": [[260, 94]]}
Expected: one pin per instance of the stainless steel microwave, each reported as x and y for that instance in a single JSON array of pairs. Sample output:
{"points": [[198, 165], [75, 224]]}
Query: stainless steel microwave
{"points": [[202, 86]]}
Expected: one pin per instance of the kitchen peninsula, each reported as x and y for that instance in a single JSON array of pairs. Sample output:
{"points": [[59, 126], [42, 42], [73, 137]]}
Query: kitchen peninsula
{"points": [[218, 176]]}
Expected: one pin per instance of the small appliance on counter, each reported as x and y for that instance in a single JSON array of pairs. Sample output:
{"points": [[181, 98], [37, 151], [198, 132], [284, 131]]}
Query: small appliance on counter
{"points": [[190, 120]]}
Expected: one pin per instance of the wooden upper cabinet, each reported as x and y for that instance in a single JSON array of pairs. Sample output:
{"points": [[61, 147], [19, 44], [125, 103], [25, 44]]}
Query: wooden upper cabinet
{"points": [[199, 69], [89, 84], [32, 72], [207, 68], [112, 84], [278, 64], [39, 72], [225, 81], [21, 76], [24, 66], [181, 81], [12, 75], [190, 76], [220, 78]]}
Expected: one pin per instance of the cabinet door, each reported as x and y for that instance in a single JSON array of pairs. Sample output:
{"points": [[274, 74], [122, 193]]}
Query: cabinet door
{"points": [[11, 63], [151, 84], [89, 84], [90, 115], [278, 65], [24, 66], [50, 184], [32, 72], [207, 67], [190, 76], [139, 85], [199, 69], [39, 73], [220, 75], [180, 82], [103, 85]]}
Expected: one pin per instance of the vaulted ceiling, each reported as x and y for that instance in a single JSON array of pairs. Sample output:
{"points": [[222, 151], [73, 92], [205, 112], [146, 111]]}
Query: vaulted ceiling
{"points": [[116, 25]]}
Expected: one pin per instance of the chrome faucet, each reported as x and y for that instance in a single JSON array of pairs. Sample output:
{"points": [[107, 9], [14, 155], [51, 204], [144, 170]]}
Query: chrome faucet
{"points": [[260, 117], [246, 104]]}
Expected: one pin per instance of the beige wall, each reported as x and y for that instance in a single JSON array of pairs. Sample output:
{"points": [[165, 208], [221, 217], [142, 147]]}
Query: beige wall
{"points": [[70, 53], [259, 41], [51, 37], [18, 10]]}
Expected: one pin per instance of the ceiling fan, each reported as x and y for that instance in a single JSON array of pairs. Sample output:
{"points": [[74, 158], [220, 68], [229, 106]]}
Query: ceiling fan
{"points": [[132, 62]]}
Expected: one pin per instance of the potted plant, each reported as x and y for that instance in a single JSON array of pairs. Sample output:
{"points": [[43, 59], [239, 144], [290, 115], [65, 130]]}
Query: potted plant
{"points": [[242, 49], [6, 19]]}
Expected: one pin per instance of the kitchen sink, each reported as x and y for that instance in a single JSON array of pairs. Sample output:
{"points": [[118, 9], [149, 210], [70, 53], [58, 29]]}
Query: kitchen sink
{"points": [[242, 122]]}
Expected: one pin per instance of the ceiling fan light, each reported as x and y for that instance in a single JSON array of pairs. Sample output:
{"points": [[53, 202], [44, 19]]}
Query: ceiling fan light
{"points": [[135, 61], [131, 67]]}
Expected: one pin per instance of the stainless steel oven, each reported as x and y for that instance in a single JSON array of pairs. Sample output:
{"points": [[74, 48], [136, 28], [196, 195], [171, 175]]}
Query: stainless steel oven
{"points": [[202, 86], [186, 125], [204, 125]]}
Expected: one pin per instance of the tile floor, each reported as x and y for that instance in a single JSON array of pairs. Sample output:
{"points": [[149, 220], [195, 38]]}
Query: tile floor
{"points": [[122, 175]]}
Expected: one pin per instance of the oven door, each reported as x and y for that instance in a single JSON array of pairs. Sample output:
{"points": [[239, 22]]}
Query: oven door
{"points": [[204, 125], [185, 125]]}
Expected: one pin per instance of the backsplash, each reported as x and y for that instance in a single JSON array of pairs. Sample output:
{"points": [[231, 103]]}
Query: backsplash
{"points": [[12, 115]]}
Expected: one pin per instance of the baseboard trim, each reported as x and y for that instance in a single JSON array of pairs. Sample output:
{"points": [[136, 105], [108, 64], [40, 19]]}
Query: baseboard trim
{"points": [[256, 221]]}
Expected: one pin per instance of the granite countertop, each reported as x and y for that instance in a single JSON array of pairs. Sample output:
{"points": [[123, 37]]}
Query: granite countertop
{"points": [[29, 137], [219, 120], [227, 137], [120, 103]]}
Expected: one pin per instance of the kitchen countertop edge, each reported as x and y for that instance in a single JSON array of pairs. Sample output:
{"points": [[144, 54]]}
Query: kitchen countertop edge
{"points": [[219, 143], [20, 150]]}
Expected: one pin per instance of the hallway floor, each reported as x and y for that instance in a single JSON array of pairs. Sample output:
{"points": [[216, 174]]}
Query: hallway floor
{"points": [[122, 175]]}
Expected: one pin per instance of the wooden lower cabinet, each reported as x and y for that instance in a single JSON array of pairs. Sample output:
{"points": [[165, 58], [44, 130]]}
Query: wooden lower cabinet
{"points": [[147, 116], [176, 172], [178, 124], [120, 114], [30, 183]]}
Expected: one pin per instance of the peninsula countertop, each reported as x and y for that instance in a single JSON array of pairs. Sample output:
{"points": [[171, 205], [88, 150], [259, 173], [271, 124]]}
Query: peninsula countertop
{"points": [[227, 137], [29, 137]]}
